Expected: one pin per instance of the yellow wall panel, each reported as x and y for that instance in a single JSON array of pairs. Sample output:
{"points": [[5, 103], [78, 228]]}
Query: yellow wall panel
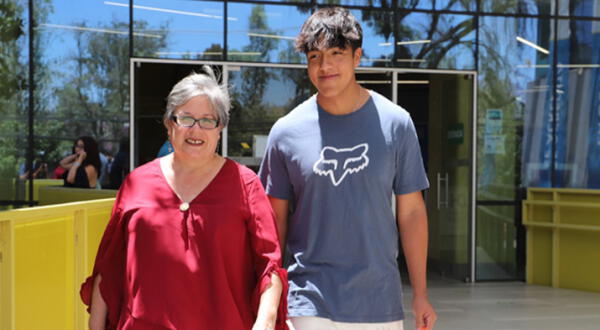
{"points": [[96, 223], [580, 255], [44, 263], [540, 255], [562, 237], [50, 195]]}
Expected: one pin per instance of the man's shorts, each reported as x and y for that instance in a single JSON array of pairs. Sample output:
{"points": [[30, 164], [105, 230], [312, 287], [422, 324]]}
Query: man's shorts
{"points": [[312, 323]]}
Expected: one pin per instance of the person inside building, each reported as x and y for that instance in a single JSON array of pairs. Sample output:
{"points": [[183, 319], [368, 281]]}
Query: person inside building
{"points": [[330, 169], [192, 241], [82, 166], [119, 167]]}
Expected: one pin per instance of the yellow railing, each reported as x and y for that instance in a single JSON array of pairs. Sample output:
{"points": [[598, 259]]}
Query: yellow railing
{"points": [[563, 237], [18, 189], [58, 195], [45, 254]]}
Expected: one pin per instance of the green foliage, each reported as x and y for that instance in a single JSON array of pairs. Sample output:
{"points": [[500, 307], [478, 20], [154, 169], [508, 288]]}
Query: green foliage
{"points": [[12, 83], [94, 98]]}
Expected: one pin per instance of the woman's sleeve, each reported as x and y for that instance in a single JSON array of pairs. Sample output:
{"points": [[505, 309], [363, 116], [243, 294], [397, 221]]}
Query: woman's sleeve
{"points": [[265, 246], [110, 264]]}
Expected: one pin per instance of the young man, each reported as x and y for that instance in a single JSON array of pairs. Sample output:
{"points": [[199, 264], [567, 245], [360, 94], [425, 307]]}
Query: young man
{"points": [[335, 161]]}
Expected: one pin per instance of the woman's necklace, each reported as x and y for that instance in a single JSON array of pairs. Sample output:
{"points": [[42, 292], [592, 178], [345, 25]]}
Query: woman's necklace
{"points": [[185, 205]]}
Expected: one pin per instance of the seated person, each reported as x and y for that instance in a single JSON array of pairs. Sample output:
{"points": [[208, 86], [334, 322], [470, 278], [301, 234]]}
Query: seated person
{"points": [[40, 171], [82, 168]]}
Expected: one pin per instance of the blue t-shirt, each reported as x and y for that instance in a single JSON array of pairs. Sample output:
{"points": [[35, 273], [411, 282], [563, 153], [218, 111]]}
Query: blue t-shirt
{"points": [[339, 172]]}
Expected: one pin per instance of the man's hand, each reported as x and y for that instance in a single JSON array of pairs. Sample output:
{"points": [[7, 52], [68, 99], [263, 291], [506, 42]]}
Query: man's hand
{"points": [[425, 316]]}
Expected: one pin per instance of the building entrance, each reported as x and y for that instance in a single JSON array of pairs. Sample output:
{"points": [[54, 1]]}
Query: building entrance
{"points": [[441, 106], [441, 103]]}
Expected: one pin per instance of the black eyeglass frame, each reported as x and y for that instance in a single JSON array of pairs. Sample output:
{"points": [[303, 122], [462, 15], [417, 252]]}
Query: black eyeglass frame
{"points": [[175, 119]]}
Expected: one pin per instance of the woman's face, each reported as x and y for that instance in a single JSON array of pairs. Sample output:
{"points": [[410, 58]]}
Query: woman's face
{"points": [[79, 146], [201, 139]]}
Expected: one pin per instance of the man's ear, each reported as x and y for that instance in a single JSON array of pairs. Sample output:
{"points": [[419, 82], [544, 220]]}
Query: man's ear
{"points": [[357, 56]]}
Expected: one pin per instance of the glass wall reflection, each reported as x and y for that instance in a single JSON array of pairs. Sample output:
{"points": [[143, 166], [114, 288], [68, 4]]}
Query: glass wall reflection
{"points": [[461, 5], [259, 97], [577, 159], [82, 79], [496, 243], [580, 8], [378, 35], [514, 106], [530, 7], [441, 41], [389, 4], [14, 53], [178, 29], [264, 33]]}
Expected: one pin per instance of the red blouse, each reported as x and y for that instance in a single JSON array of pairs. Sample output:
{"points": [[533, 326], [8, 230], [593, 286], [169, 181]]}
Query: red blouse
{"points": [[200, 268]]}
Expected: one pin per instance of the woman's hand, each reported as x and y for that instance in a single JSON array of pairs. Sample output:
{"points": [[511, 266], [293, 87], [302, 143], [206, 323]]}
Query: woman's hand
{"points": [[269, 303], [81, 156], [265, 324]]}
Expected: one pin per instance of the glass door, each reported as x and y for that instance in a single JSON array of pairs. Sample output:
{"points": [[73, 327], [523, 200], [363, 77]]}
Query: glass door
{"points": [[449, 163]]}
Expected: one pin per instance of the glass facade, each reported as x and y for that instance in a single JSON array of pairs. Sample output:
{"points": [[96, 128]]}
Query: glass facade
{"points": [[191, 30], [577, 155], [263, 33], [514, 105], [65, 72]]}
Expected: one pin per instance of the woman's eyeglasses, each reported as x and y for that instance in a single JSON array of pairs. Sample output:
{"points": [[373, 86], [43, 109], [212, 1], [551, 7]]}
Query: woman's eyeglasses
{"points": [[187, 121]]}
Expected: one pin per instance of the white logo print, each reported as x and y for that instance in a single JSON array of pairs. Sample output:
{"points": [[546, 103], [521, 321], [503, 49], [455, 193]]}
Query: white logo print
{"points": [[354, 160]]}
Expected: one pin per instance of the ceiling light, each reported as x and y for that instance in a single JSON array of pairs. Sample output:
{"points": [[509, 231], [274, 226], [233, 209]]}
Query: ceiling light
{"points": [[373, 82], [412, 82], [531, 44], [89, 29], [410, 60], [208, 53], [566, 66], [413, 42], [170, 11], [274, 36], [375, 59]]}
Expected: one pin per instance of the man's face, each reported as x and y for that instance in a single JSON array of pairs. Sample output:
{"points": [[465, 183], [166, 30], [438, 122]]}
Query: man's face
{"points": [[331, 70]]}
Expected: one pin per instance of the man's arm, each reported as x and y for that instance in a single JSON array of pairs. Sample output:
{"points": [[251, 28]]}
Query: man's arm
{"points": [[281, 209], [411, 215]]}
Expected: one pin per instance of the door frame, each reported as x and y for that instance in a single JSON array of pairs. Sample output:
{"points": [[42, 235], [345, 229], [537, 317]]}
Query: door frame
{"points": [[229, 66]]}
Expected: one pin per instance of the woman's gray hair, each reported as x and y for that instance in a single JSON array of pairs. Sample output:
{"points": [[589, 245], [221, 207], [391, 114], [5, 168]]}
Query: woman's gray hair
{"points": [[199, 84]]}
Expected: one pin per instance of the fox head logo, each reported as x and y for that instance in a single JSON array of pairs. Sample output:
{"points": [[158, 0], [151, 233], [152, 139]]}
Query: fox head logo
{"points": [[337, 163]]}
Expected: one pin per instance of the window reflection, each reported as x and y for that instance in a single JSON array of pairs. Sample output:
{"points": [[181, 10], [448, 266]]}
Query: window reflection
{"points": [[378, 49], [514, 106], [187, 29], [259, 97], [405, 4], [434, 41], [461, 5], [264, 33], [13, 102], [82, 79], [589, 8], [497, 233], [530, 7], [577, 158]]}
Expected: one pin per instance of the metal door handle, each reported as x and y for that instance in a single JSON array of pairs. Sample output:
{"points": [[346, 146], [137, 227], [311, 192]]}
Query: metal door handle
{"points": [[442, 203]]}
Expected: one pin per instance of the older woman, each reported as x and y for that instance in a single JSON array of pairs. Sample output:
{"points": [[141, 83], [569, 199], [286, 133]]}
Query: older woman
{"points": [[192, 241]]}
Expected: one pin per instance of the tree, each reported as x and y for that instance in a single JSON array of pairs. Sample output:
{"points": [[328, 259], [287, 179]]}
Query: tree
{"points": [[94, 98], [249, 115]]}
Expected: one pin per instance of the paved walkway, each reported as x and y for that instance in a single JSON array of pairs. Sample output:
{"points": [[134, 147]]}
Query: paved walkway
{"points": [[509, 306]]}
